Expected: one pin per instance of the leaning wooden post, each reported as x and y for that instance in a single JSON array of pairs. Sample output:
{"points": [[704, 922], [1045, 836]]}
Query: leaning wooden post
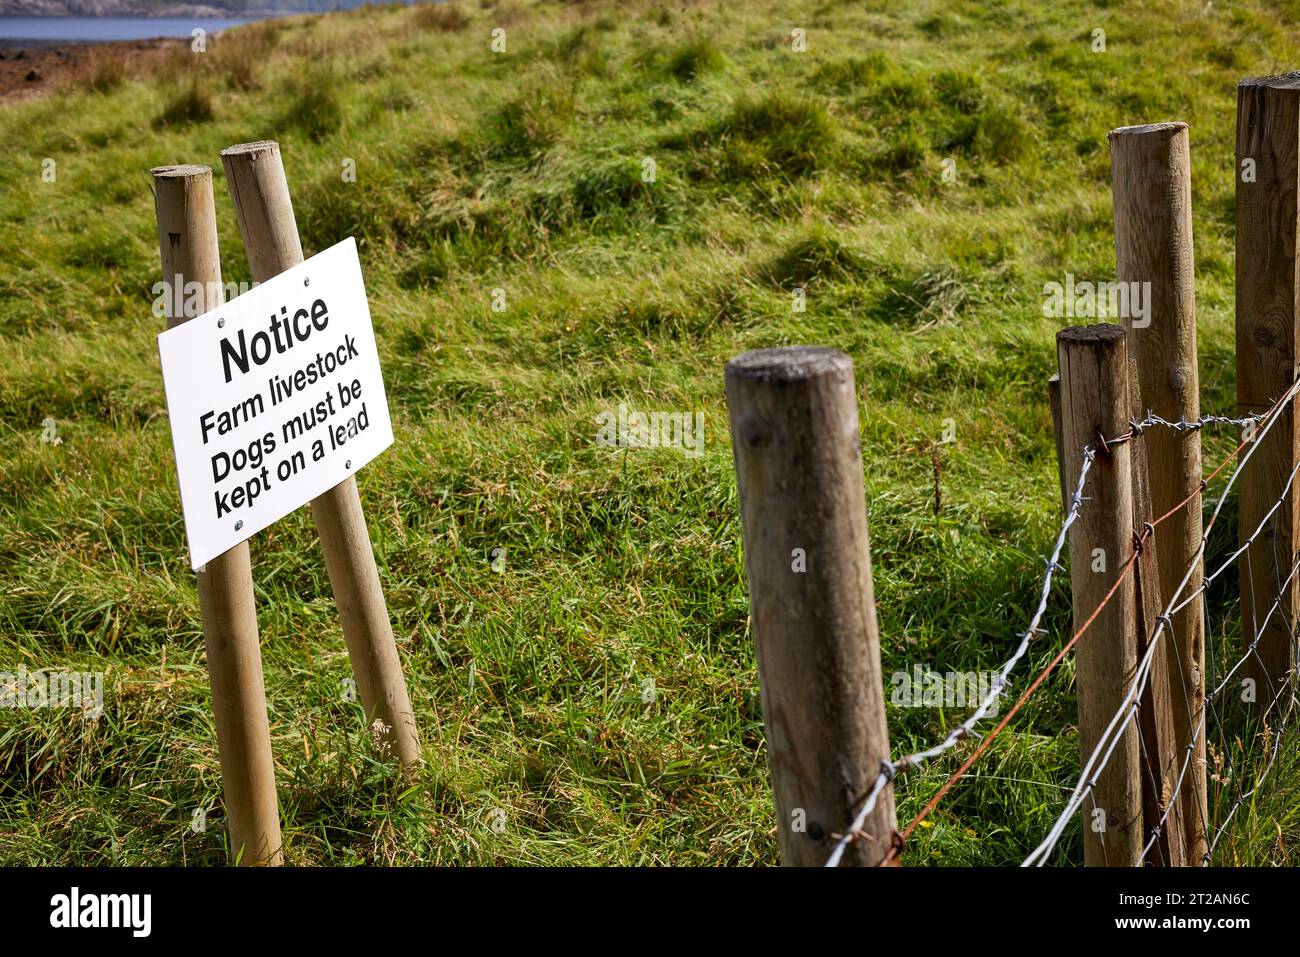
{"points": [[187, 240], [794, 432], [1095, 400], [1267, 173], [1152, 190], [260, 191]]}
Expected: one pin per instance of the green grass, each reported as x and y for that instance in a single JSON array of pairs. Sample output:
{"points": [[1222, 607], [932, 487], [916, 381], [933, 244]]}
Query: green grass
{"points": [[523, 171]]}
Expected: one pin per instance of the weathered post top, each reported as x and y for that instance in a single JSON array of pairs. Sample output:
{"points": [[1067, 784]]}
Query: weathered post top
{"points": [[1147, 129], [1281, 81], [260, 191], [789, 363]]}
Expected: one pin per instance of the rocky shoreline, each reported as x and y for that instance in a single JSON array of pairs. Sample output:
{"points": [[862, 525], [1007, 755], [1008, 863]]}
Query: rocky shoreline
{"points": [[33, 70]]}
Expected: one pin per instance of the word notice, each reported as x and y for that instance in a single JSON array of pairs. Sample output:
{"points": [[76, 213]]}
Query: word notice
{"points": [[274, 398]]}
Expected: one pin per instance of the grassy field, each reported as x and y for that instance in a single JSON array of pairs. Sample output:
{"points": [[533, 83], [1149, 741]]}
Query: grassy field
{"points": [[522, 171]]}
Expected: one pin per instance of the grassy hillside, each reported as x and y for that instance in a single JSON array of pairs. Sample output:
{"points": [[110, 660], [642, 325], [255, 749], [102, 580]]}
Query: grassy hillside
{"points": [[522, 171]]}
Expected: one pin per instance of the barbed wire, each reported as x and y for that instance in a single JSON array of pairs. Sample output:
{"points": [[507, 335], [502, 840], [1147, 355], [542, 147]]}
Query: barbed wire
{"points": [[1199, 719], [1135, 429], [1193, 425], [1128, 706], [891, 769], [1127, 709]]}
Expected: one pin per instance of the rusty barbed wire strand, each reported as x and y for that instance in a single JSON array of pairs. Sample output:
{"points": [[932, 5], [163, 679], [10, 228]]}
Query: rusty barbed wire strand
{"points": [[891, 769], [1128, 707], [1148, 529]]}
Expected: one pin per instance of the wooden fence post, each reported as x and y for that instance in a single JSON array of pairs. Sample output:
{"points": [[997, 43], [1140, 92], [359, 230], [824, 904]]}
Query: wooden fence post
{"points": [[260, 191], [1267, 174], [1095, 400], [1161, 760], [187, 241], [1152, 194], [794, 433]]}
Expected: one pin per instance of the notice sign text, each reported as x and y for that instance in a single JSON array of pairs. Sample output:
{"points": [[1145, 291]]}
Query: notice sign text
{"points": [[274, 398]]}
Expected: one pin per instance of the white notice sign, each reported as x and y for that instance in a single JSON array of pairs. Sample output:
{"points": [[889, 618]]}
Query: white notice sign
{"points": [[273, 398]]}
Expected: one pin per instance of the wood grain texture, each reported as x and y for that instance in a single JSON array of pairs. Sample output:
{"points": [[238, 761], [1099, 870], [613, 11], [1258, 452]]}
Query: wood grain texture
{"points": [[794, 431], [1161, 755], [260, 191], [1268, 134], [187, 241], [1152, 191], [1093, 363]]}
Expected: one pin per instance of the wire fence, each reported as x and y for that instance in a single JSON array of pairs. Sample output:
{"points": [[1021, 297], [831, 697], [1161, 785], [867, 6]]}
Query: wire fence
{"points": [[1255, 428]]}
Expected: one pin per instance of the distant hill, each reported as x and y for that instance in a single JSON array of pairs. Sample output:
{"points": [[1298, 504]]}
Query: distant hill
{"points": [[160, 8]]}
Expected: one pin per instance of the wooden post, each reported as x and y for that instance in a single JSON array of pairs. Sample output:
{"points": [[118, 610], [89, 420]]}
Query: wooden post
{"points": [[1267, 173], [260, 191], [187, 240], [1095, 399], [1152, 192], [1161, 759], [794, 432]]}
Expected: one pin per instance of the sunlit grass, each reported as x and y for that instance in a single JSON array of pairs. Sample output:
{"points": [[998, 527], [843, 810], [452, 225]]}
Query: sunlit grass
{"points": [[525, 171]]}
